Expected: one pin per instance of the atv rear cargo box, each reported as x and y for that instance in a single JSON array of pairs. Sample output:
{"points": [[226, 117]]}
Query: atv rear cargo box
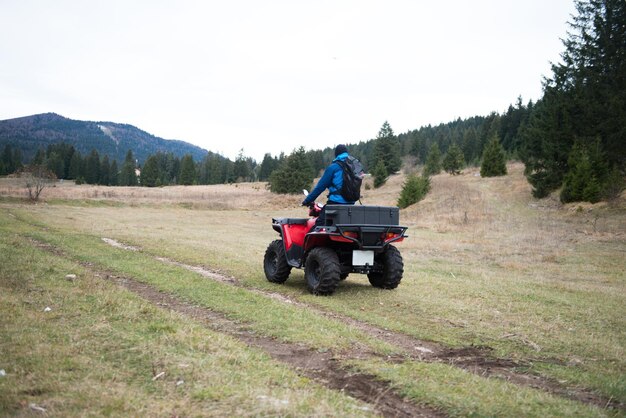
{"points": [[362, 215]]}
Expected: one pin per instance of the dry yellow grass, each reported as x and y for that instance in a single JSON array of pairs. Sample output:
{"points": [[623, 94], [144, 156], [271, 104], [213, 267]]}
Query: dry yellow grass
{"points": [[216, 197]]}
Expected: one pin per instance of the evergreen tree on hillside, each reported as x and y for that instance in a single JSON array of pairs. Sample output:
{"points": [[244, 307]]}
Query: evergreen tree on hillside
{"points": [[211, 170], [413, 190], [74, 170], [150, 172], [7, 160], [380, 174], [494, 159], [243, 168], [268, 165], [105, 171], [40, 157], [128, 177], [587, 175], [294, 174], [114, 177], [387, 149], [418, 147], [92, 168], [187, 171], [471, 146], [453, 162], [54, 163], [433, 161]]}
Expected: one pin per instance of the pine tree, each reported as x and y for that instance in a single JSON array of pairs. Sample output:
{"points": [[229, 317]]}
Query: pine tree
{"points": [[17, 159], [187, 171], [39, 158], [7, 160], [128, 177], [414, 189], [587, 176], [380, 174], [494, 160], [114, 178], [268, 165], [293, 175], [242, 167], [387, 149], [92, 168], [433, 161], [54, 163], [150, 172], [105, 171], [74, 169], [453, 162]]}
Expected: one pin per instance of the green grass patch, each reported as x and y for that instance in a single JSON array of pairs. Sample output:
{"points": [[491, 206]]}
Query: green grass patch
{"points": [[463, 394], [97, 349]]}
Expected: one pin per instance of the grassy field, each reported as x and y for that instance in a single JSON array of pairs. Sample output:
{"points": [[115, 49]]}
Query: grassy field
{"points": [[509, 306]]}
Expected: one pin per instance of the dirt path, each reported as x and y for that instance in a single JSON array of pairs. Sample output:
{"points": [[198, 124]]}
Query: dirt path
{"points": [[324, 368], [477, 360]]}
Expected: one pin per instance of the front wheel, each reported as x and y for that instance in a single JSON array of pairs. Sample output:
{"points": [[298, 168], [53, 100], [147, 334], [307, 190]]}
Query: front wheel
{"points": [[322, 271], [275, 262], [392, 266]]}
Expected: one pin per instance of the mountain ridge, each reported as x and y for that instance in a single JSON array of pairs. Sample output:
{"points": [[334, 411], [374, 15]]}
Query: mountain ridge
{"points": [[30, 133]]}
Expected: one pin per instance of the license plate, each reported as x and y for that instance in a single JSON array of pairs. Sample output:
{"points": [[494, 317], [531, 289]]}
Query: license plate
{"points": [[362, 258]]}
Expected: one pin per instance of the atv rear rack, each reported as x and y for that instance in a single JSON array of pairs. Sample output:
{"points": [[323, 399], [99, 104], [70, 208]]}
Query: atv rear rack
{"points": [[365, 237]]}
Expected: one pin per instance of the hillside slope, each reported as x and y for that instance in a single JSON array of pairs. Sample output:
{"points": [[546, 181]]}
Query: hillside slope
{"points": [[30, 133]]}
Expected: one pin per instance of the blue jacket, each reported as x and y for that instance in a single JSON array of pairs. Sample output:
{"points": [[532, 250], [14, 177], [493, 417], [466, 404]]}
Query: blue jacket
{"points": [[331, 180]]}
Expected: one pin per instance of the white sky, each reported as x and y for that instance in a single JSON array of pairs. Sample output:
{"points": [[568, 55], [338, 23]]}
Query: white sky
{"points": [[269, 76]]}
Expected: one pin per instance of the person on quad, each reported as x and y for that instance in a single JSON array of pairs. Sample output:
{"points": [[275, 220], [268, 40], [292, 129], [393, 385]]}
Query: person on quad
{"points": [[342, 240], [332, 179]]}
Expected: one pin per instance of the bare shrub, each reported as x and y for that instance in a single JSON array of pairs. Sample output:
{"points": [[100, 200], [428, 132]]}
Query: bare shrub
{"points": [[37, 179]]}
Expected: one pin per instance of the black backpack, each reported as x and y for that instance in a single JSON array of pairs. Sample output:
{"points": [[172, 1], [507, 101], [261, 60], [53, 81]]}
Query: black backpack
{"points": [[353, 175]]}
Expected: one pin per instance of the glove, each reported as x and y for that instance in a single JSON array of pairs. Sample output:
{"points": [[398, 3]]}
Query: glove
{"points": [[304, 203]]}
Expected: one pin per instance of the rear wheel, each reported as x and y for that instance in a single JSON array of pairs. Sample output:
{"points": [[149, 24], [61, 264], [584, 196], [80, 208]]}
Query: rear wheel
{"points": [[322, 271], [275, 262], [393, 268]]}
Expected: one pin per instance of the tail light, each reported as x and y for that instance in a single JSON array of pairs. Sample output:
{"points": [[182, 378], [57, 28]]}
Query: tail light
{"points": [[389, 236]]}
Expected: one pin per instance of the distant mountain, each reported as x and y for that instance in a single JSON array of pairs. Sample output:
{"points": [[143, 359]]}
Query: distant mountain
{"points": [[30, 133]]}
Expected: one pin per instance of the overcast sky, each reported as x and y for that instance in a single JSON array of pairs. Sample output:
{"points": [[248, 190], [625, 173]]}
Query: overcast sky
{"points": [[268, 76]]}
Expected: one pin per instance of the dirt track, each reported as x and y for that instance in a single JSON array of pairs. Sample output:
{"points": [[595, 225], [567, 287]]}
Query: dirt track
{"points": [[477, 360]]}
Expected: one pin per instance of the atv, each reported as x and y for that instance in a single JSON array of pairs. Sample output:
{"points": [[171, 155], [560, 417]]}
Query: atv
{"points": [[353, 239]]}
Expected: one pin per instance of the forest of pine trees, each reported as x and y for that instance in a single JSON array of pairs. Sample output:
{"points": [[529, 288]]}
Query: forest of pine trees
{"points": [[575, 136]]}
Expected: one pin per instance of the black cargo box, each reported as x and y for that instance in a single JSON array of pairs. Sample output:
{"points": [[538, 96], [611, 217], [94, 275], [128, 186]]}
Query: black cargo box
{"points": [[362, 215]]}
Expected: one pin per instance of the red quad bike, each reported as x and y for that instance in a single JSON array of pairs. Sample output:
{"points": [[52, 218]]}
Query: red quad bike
{"points": [[355, 239]]}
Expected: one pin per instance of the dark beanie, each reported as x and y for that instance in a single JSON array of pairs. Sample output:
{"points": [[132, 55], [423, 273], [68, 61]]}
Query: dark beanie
{"points": [[340, 150]]}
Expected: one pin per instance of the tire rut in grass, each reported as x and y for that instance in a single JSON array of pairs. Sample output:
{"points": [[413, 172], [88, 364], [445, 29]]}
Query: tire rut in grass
{"points": [[475, 359], [323, 367]]}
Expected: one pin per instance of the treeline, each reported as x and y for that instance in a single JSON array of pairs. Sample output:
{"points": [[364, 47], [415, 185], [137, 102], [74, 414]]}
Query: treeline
{"points": [[10, 160], [575, 138], [160, 169]]}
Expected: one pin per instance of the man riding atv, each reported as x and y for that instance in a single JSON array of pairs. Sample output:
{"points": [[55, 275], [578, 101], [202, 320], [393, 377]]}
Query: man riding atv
{"points": [[333, 181], [348, 239]]}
